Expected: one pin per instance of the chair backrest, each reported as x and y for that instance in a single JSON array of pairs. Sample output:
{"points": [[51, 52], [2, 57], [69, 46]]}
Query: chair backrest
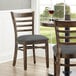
{"points": [[23, 22], [61, 35]]}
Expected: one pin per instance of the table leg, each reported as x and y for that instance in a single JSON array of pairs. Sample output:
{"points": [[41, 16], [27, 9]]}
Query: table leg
{"points": [[67, 61], [67, 69]]}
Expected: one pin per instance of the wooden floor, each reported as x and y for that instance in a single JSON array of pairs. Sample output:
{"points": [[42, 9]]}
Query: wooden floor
{"points": [[39, 69]]}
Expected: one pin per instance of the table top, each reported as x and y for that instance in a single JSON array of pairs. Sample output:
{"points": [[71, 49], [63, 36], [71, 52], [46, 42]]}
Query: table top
{"points": [[47, 24]]}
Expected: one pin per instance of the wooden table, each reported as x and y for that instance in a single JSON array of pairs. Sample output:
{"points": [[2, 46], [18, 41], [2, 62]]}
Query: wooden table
{"points": [[47, 24], [66, 69]]}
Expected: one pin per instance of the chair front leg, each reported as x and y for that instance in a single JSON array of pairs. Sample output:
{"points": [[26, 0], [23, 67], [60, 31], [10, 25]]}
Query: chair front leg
{"points": [[15, 54], [34, 57], [47, 54], [25, 56]]}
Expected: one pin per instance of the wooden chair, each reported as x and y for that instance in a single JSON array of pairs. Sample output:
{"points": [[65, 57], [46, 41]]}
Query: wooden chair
{"points": [[64, 49], [24, 24]]}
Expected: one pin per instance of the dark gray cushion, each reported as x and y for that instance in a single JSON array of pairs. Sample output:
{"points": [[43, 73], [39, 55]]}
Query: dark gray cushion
{"points": [[31, 38], [66, 49]]}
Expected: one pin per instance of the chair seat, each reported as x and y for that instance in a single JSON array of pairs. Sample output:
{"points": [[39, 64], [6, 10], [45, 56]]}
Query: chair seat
{"points": [[31, 39], [66, 51]]}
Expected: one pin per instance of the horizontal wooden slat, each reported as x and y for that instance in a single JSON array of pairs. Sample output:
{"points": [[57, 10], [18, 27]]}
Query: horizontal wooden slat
{"points": [[24, 25], [66, 23], [28, 14], [68, 65], [23, 20], [66, 31], [67, 37], [31, 47], [24, 30], [67, 43]]}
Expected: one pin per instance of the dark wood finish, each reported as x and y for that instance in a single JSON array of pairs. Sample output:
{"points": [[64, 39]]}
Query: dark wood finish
{"points": [[60, 38], [19, 22], [47, 24]]}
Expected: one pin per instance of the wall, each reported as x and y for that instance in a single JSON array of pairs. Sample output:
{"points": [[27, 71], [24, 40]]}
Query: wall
{"points": [[7, 32], [14, 4]]}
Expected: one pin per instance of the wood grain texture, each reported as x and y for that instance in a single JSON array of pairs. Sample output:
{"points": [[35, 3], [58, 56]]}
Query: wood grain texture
{"points": [[38, 69]]}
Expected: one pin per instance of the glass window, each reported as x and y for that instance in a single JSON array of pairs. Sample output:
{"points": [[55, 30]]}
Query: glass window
{"points": [[72, 8], [63, 9]]}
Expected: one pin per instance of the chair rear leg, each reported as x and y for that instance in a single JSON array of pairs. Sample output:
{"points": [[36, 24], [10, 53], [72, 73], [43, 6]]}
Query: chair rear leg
{"points": [[34, 57], [25, 56], [15, 54], [47, 54]]}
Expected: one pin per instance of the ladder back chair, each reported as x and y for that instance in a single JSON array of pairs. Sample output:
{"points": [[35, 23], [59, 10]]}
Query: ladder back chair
{"points": [[63, 49], [24, 24]]}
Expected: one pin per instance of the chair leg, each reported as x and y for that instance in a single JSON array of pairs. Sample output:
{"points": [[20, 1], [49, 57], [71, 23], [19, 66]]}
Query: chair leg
{"points": [[54, 66], [34, 58], [47, 54], [15, 54], [25, 56], [57, 67]]}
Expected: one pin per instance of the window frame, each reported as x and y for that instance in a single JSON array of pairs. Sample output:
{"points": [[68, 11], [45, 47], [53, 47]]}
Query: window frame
{"points": [[35, 6]]}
